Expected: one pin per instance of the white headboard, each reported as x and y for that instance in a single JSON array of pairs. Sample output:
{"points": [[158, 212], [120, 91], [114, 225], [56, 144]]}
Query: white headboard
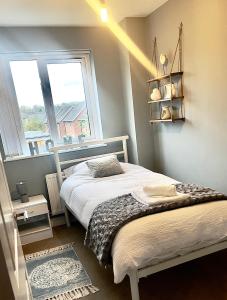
{"points": [[56, 150]]}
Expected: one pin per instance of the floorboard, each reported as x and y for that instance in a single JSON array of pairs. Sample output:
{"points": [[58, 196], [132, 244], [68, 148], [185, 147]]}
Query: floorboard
{"points": [[201, 279]]}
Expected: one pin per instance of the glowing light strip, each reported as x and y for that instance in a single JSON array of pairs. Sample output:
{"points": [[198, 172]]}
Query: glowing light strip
{"points": [[123, 37], [104, 14]]}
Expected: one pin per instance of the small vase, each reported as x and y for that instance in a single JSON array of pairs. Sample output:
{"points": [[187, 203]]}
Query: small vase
{"points": [[155, 95], [166, 114], [170, 91]]}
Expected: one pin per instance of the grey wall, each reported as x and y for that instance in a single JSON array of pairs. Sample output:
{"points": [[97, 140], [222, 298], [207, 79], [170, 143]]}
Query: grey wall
{"points": [[195, 151], [128, 99], [134, 77], [105, 50]]}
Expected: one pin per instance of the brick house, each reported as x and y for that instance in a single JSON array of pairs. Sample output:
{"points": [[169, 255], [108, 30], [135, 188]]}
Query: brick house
{"points": [[72, 120]]}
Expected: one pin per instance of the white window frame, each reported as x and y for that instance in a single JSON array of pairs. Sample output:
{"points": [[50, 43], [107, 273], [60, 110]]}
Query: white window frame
{"points": [[44, 58]]}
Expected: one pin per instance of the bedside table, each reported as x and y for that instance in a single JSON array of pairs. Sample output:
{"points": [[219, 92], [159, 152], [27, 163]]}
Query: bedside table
{"points": [[33, 219]]}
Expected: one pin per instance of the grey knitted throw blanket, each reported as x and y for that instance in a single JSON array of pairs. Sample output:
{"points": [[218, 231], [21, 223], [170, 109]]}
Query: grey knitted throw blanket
{"points": [[109, 216]]}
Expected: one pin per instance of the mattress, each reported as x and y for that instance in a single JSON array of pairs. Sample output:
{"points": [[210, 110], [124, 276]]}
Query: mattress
{"points": [[152, 239]]}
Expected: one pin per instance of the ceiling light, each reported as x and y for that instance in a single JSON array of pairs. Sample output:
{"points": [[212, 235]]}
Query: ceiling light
{"points": [[104, 12]]}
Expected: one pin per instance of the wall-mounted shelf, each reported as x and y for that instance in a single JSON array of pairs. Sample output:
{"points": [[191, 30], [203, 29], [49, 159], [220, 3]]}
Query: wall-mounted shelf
{"points": [[166, 99], [173, 74], [168, 87], [166, 121], [174, 102]]}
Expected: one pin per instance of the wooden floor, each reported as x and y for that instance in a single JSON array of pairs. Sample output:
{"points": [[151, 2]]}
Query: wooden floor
{"points": [[202, 279]]}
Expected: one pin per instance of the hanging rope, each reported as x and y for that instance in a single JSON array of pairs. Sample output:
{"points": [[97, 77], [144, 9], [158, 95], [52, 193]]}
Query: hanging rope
{"points": [[154, 55], [179, 46]]}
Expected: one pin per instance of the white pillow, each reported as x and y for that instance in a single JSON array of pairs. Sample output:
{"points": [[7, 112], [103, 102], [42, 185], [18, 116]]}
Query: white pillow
{"points": [[80, 169], [68, 171]]}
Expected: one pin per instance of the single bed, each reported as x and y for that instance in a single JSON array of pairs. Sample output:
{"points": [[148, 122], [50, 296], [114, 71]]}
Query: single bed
{"points": [[152, 243]]}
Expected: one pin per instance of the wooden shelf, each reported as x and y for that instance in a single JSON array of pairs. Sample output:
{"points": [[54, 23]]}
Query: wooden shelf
{"points": [[166, 99], [174, 74], [166, 121], [33, 219], [32, 228], [169, 84]]}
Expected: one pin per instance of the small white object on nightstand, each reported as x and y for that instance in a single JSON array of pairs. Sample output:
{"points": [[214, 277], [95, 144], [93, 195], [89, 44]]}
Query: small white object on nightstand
{"points": [[33, 219]]}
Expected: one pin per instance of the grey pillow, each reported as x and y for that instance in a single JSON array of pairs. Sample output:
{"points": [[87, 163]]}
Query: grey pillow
{"points": [[104, 166]]}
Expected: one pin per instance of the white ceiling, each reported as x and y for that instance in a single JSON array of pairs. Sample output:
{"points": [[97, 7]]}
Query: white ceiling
{"points": [[68, 12]]}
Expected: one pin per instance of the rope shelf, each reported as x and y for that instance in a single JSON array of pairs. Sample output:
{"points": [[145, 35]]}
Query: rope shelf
{"points": [[166, 90]]}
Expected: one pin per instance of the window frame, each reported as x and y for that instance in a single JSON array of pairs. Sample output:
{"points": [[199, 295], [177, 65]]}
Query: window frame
{"points": [[42, 59]]}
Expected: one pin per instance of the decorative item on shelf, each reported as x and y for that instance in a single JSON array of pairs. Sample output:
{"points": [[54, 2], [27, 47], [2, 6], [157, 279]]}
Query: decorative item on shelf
{"points": [[170, 91], [156, 94], [33, 147], [166, 113], [67, 139], [164, 62], [22, 191], [49, 144], [81, 138]]}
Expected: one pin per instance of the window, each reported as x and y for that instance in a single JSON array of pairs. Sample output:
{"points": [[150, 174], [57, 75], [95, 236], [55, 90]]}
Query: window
{"points": [[30, 101], [54, 101], [66, 82]]}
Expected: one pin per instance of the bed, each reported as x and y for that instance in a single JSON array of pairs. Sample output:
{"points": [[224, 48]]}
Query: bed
{"points": [[148, 244]]}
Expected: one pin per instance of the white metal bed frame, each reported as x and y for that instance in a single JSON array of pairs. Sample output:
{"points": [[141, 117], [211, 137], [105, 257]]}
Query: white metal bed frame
{"points": [[56, 150], [135, 274]]}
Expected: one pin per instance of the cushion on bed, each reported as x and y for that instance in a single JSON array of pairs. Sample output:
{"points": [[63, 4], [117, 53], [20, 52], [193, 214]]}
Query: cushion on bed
{"points": [[80, 169], [104, 166], [68, 171]]}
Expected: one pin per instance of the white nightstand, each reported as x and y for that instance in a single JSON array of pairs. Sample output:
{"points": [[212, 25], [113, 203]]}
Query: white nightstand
{"points": [[33, 219]]}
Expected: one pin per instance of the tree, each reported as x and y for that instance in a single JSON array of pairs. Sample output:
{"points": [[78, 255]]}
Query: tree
{"points": [[33, 124]]}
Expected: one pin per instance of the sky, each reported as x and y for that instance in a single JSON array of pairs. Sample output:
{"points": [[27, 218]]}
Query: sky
{"points": [[65, 79]]}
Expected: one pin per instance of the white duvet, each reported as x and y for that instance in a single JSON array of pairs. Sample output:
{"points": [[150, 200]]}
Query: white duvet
{"points": [[151, 239]]}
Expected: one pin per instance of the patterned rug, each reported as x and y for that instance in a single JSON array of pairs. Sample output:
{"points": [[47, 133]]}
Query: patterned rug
{"points": [[57, 274]]}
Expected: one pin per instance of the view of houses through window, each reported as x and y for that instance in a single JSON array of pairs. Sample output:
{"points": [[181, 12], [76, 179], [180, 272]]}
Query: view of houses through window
{"points": [[52, 102], [68, 95]]}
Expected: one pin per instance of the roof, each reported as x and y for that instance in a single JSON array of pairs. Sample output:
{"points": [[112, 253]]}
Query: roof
{"points": [[69, 113], [62, 112]]}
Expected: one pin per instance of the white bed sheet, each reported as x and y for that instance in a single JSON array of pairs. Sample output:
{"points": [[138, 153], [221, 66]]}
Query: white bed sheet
{"points": [[151, 239]]}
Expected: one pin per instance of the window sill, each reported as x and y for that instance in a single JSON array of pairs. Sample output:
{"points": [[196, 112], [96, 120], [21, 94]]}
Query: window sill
{"points": [[22, 157]]}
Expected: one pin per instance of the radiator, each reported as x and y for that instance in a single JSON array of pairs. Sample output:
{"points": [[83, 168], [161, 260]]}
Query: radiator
{"points": [[54, 195]]}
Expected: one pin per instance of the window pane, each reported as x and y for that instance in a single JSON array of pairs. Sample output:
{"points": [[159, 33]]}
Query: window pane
{"points": [[67, 90], [30, 100]]}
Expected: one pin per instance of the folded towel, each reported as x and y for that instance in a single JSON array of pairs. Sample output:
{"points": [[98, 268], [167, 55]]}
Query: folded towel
{"points": [[166, 190], [142, 197]]}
